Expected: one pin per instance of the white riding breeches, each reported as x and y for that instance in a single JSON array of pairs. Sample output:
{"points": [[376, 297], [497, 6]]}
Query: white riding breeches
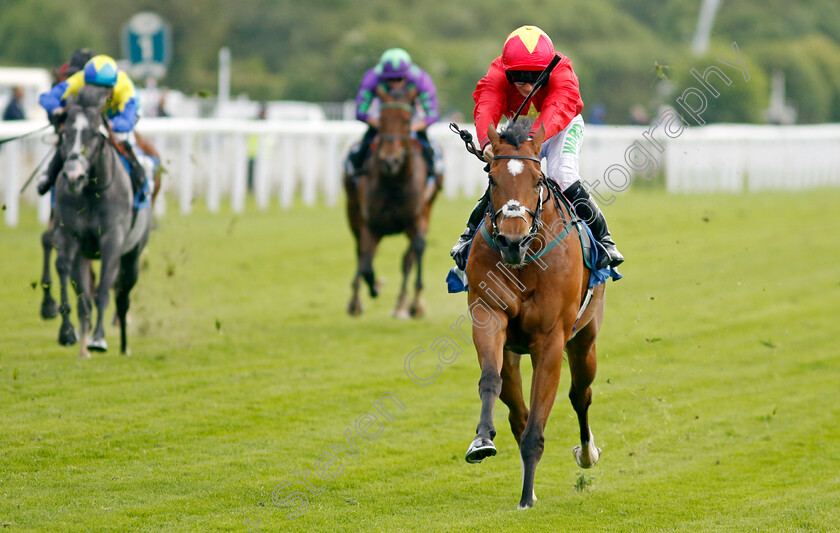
{"points": [[562, 153]]}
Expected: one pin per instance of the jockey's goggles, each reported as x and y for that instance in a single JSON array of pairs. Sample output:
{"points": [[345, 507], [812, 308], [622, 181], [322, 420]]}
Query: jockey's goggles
{"points": [[521, 77]]}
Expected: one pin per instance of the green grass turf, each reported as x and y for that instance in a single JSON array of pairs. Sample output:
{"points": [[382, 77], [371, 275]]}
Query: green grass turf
{"points": [[716, 400]]}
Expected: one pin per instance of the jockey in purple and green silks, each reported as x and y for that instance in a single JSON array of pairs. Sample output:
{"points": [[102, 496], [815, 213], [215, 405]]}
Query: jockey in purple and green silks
{"points": [[395, 70], [120, 110]]}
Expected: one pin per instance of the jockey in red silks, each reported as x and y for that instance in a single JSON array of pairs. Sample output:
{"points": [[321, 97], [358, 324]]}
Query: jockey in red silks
{"points": [[395, 71], [121, 111], [556, 105]]}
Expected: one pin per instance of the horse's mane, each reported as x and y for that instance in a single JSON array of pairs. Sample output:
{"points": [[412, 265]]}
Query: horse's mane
{"points": [[517, 133], [399, 93], [92, 96]]}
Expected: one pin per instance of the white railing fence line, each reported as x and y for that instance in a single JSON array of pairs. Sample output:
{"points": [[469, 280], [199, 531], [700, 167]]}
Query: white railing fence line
{"points": [[209, 159]]}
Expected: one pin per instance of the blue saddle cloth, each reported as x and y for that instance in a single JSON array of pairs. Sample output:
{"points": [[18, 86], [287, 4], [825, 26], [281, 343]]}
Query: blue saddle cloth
{"points": [[142, 198], [456, 280]]}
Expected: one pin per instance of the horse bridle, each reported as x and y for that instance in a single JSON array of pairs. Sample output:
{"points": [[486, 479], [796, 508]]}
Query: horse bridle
{"points": [[396, 136], [105, 133], [513, 209]]}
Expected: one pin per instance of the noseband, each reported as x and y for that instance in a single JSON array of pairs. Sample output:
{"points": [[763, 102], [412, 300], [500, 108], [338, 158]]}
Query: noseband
{"points": [[513, 209]]}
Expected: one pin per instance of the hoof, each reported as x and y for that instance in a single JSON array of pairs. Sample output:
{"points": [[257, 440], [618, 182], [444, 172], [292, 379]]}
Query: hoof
{"points": [[84, 354], [49, 309], [98, 345], [354, 308], [479, 449], [417, 310], [377, 286], [67, 336], [401, 314], [525, 505], [587, 458]]}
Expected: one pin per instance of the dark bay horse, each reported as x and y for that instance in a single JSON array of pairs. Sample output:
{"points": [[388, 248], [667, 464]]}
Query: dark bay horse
{"points": [[390, 197], [527, 282], [94, 219]]}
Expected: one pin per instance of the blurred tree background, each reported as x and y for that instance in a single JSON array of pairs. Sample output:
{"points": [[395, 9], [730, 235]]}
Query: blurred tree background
{"points": [[317, 50]]}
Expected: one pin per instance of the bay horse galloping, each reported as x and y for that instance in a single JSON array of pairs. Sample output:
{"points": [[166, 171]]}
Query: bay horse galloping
{"points": [[391, 196], [94, 219], [527, 282]]}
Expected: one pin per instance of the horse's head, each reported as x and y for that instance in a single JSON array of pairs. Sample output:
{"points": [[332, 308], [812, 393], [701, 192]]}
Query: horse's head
{"points": [[82, 136], [394, 137], [517, 190]]}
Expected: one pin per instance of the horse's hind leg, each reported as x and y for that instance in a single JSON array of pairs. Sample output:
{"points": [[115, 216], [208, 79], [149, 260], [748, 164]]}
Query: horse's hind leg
{"points": [[583, 365], [49, 308], [129, 272]]}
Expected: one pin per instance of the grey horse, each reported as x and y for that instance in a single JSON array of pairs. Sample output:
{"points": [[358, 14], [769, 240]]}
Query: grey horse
{"points": [[95, 219]]}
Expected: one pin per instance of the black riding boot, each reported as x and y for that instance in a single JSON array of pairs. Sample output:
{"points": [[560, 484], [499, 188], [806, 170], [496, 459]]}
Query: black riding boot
{"points": [[460, 252], [588, 210], [428, 152], [53, 169], [357, 159], [138, 173]]}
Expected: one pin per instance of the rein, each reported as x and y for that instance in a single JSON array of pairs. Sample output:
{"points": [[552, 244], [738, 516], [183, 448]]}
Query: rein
{"points": [[105, 132], [16, 137]]}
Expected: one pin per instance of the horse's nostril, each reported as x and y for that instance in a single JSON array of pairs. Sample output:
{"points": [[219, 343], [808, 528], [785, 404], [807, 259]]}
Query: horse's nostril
{"points": [[502, 241]]}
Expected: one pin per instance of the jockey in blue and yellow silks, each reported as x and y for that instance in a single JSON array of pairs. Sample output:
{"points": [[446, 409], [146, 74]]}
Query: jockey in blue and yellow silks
{"points": [[120, 110]]}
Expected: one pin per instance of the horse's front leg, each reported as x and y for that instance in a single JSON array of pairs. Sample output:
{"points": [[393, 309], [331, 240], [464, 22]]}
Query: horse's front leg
{"points": [[414, 254], [369, 243], [109, 268], [65, 256], [49, 308], [81, 283], [512, 394], [366, 244], [547, 356], [418, 306], [489, 346]]}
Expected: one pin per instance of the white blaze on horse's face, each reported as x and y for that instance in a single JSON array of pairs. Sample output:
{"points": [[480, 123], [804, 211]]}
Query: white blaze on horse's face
{"points": [[515, 167], [80, 124], [75, 165]]}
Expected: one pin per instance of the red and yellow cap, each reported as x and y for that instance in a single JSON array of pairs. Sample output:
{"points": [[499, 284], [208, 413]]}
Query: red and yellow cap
{"points": [[527, 48]]}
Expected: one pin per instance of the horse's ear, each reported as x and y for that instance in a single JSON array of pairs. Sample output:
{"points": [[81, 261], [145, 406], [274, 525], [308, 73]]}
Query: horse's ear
{"points": [[539, 138], [492, 134], [412, 94], [381, 93]]}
